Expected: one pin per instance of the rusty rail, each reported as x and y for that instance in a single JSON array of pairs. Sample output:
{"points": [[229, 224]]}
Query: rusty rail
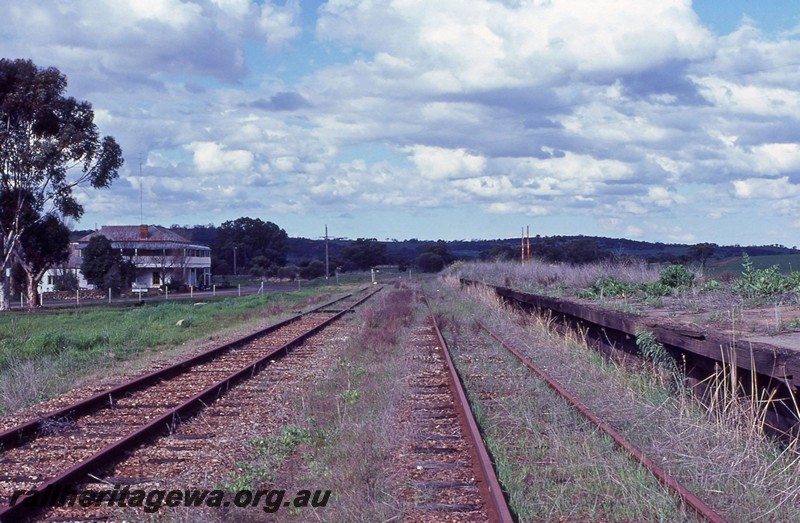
{"points": [[497, 507], [164, 423], [685, 494]]}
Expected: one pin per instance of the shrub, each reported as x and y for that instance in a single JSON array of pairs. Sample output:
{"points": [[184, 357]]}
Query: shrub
{"points": [[676, 276], [655, 288], [711, 286], [315, 269], [609, 287], [756, 283]]}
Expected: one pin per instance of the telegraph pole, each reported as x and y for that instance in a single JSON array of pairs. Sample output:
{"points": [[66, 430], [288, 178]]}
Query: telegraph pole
{"points": [[327, 272]]}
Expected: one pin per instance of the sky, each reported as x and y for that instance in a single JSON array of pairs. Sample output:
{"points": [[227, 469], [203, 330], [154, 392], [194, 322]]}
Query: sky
{"points": [[658, 120]]}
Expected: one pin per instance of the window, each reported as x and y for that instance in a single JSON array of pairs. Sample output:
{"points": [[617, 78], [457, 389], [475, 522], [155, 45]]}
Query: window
{"points": [[156, 278]]}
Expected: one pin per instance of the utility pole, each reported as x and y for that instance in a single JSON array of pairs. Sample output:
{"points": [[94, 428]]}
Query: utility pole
{"points": [[327, 272], [234, 261], [528, 231], [522, 246]]}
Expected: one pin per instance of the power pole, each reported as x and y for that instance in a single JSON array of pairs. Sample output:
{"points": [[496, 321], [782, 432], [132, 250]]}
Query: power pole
{"points": [[522, 246], [528, 230], [327, 272]]}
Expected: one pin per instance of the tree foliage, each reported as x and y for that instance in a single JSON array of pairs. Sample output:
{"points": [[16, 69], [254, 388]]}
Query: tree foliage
{"points": [[363, 254], [49, 145], [42, 246], [498, 253], [430, 262], [439, 248], [44, 241], [434, 256], [260, 246], [702, 252], [104, 267], [576, 251]]}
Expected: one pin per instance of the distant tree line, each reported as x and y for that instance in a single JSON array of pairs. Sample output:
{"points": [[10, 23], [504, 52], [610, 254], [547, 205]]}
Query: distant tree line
{"points": [[251, 246]]}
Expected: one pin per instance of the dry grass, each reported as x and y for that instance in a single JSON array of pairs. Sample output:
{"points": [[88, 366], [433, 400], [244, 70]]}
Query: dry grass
{"points": [[555, 278], [351, 417], [734, 468]]}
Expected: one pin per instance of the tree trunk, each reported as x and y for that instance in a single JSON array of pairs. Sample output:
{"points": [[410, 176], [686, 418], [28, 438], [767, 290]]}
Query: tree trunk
{"points": [[33, 290], [5, 302]]}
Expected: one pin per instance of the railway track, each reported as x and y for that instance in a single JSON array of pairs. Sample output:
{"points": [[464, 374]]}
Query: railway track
{"points": [[68, 446], [453, 478], [699, 506]]}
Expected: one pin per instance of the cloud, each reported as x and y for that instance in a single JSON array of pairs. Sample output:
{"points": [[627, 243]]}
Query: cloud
{"points": [[765, 188], [775, 158], [149, 37], [571, 110], [663, 197], [441, 163], [210, 157], [283, 101]]}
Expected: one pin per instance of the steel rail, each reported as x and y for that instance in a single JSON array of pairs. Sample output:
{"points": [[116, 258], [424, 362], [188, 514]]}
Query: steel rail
{"points": [[497, 507], [697, 504], [165, 423], [21, 434]]}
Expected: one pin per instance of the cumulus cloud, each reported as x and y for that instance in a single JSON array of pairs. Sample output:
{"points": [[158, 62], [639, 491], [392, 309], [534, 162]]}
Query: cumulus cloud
{"points": [[570, 108], [441, 163], [146, 37], [765, 188], [210, 157]]}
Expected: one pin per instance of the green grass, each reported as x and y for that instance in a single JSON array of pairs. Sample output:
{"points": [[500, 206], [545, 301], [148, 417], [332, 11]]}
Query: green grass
{"points": [[786, 262], [65, 345]]}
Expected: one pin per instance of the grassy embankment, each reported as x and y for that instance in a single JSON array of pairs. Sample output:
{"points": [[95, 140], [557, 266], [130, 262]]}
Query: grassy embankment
{"points": [[45, 353]]}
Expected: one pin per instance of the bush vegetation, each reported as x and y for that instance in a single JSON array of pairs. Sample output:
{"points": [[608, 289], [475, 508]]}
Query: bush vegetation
{"points": [[671, 278], [762, 283]]}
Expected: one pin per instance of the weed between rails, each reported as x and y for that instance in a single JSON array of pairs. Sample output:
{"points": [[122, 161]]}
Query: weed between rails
{"points": [[350, 414], [551, 461]]}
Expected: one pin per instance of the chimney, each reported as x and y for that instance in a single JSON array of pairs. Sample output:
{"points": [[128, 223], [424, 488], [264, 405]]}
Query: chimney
{"points": [[143, 232]]}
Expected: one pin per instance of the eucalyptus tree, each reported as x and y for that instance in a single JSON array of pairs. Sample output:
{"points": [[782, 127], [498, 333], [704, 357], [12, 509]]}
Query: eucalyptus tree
{"points": [[42, 246], [49, 144]]}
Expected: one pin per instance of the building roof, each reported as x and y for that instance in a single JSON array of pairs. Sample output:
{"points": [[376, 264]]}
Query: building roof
{"points": [[151, 236]]}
